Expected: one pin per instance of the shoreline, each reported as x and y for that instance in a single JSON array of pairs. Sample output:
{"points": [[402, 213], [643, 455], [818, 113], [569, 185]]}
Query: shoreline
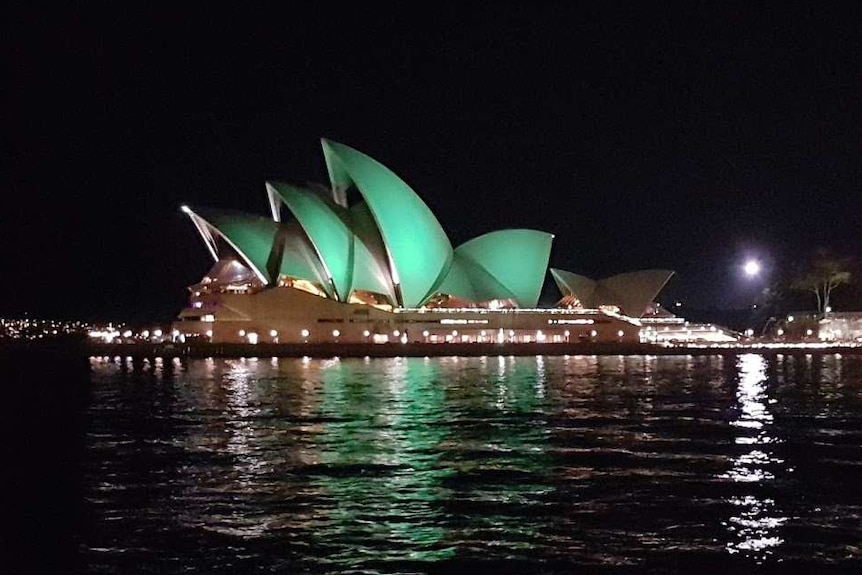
{"points": [[324, 350], [415, 349]]}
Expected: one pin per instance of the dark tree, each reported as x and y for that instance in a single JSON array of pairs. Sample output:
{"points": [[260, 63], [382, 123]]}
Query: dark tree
{"points": [[822, 274]]}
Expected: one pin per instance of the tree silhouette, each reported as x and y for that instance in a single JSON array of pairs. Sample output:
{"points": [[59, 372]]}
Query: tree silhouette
{"points": [[823, 273]]}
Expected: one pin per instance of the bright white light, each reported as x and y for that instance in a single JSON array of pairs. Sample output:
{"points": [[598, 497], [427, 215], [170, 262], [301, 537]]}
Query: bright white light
{"points": [[107, 335], [157, 333], [366, 333], [185, 209], [621, 333], [304, 333], [242, 333], [273, 333], [252, 338], [751, 268], [335, 333], [425, 333]]}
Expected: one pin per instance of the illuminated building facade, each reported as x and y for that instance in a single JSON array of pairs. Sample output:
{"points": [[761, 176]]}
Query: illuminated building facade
{"points": [[365, 260]]}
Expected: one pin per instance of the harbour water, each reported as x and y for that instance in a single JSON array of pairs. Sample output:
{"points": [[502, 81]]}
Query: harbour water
{"points": [[641, 464]]}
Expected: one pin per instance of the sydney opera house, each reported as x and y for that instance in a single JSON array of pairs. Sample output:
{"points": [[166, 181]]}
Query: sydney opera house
{"points": [[364, 260]]}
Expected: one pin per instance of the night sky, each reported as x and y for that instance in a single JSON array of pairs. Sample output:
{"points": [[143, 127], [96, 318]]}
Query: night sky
{"points": [[687, 137]]}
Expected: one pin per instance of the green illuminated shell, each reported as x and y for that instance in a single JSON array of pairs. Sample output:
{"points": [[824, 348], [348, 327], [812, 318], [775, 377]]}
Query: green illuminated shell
{"points": [[370, 263], [327, 226], [418, 248], [515, 260], [267, 247], [389, 243]]}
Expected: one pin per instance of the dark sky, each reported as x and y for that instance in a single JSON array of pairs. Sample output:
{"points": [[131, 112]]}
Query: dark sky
{"points": [[684, 137]]}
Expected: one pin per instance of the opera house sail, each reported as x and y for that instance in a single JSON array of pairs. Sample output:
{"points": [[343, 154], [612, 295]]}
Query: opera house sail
{"points": [[364, 260]]}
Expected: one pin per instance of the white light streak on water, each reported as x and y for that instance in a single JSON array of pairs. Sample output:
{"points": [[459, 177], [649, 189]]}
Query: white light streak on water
{"points": [[541, 375], [754, 529]]}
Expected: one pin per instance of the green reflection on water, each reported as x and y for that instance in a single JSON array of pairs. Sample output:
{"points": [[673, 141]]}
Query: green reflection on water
{"points": [[378, 454], [499, 449]]}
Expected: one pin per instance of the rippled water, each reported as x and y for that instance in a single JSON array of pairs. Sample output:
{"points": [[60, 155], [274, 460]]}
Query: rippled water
{"points": [[509, 464]]}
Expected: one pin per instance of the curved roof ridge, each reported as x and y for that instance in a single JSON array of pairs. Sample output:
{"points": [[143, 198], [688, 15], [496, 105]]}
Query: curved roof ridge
{"points": [[630, 291], [516, 258], [370, 264], [418, 249], [252, 243], [267, 247], [327, 226], [637, 289]]}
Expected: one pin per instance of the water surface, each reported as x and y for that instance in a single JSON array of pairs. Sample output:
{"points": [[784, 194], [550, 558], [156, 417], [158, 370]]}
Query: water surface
{"points": [[488, 464]]}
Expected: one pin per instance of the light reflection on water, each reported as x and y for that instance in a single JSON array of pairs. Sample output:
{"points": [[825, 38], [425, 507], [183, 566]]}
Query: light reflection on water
{"points": [[393, 465], [755, 527]]}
